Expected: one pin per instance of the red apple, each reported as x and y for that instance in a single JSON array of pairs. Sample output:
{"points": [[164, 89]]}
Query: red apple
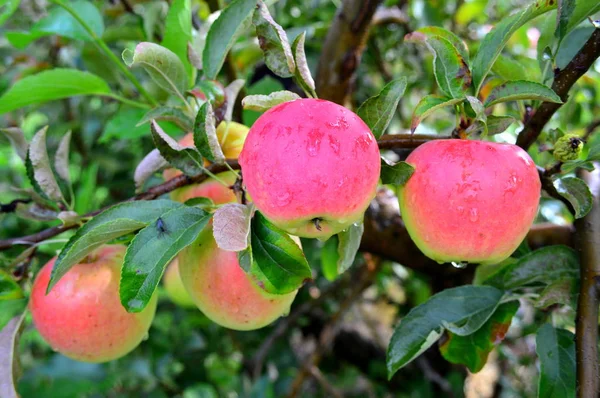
{"points": [[469, 201], [82, 316], [223, 291], [311, 167]]}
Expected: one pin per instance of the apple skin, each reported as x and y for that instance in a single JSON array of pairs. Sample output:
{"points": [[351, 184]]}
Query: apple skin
{"points": [[82, 316], [308, 160], [223, 291], [469, 201], [174, 286]]}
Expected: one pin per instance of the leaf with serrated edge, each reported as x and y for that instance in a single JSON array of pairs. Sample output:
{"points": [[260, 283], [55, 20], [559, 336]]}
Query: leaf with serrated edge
{"points": [[170, 114], [349, 243], [396, 174], [205, 135], [231, 227], [576, 191], [521, 90], [222, 34], [112, 223], [17, 139], [152, 249], [9, 343], [152, 163], [51, 85], [466, 305], [61, 159], [377, 112], [262, 103], [231, 92], [188, 160], [302, 70], [496, 39], [428, 105], [556, 351], [274, 42], [42, 171], [473, 350], [162, 64], [450, 68], [277, 263]]}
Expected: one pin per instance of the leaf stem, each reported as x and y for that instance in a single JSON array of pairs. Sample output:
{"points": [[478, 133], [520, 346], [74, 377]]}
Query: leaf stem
{"points": [[128, 101], [100, 43]]}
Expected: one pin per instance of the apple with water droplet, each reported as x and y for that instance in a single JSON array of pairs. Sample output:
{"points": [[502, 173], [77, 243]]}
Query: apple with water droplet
{"points": [[223, 291], [311, 167], [469, 201], [82, 316]]}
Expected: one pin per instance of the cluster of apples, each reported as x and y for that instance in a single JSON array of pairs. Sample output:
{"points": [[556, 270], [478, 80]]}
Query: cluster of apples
{"points": [[311, 167]]}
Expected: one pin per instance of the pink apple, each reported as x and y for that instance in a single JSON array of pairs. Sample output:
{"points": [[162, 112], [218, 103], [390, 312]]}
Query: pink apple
{"points": [[311, 167], [469, 201], [174, 286], [82, 316], [223, 291]]}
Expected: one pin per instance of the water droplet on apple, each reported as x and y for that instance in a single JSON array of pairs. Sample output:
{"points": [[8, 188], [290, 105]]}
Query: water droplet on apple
{"points": [[460, 264], [473, 216]]}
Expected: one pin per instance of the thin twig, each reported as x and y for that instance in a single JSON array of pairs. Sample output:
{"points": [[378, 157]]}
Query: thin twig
{"points": [[563, 82], [586, 340]]}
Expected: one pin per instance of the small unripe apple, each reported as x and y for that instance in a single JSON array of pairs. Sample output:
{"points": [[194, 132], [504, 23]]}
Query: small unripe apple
{"points": [[311, 167], [223, 291], [469, 201], [82, 316], [174, 286]]}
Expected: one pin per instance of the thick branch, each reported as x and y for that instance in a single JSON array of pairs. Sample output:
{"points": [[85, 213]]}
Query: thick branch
{"points": [[343, 49], [563, 82], [588, 242]]}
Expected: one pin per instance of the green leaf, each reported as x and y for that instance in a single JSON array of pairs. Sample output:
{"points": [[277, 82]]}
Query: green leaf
{"points": [[60, 22], [170, 114], [7, 8], [377, 112], [556, 351], [478, 109], [396, 174], [564, 11], [330, 258], [231, 93], [178, 33], [349, 243], [274, 260], [205, 135], [39, 170], [495, 125], [428, 105], [112, 223], [460, 45], [152, 249], [576, 191], [162, 64], [9, 360], [9, 289], [516, 68], [10, 309], [233, 20], [303, 75], [450, 68], [188, 160], [231, 226], [51, 85], [496, 39], [561, 292], [521, 90], [466, 308], [542, 267], [274, 42], [262, 103], [473, 350], [17, 140]]}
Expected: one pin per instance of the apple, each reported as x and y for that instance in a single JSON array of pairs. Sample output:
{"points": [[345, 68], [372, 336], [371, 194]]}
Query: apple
{"points": [[174, 286], [311, 167], [223, 291], [469, 201], [82, 316]]}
